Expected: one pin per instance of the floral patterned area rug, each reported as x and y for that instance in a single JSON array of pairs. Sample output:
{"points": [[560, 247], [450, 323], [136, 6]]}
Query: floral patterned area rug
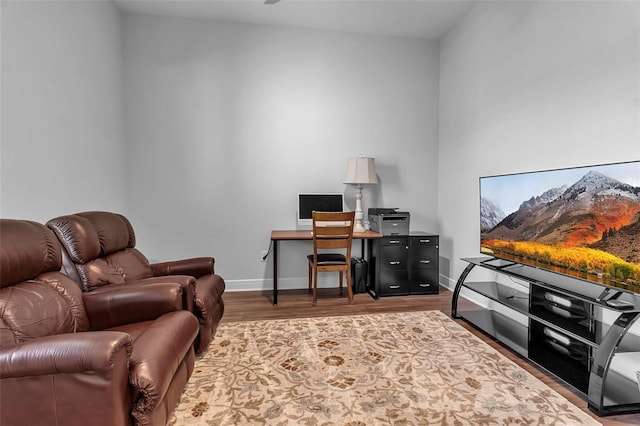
{"points": [[416, 368]]}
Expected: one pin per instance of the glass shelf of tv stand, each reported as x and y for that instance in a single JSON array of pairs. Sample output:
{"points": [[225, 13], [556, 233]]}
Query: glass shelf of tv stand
{"points": [[575, 287], [596, 380], [520, 301], [505, 295]]}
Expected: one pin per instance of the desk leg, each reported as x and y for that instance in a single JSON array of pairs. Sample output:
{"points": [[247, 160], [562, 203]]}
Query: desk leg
{"points": [[371, 286], [275, 272]]}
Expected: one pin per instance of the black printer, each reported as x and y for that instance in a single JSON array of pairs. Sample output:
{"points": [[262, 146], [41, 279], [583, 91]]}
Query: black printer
{"points": [[388, 221]]}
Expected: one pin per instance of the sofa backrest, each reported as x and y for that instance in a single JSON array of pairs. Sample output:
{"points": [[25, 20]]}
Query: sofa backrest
{"points": [[99, 249], [36, 299]]}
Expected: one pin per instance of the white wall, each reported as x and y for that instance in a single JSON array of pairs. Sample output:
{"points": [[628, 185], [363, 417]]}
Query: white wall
{"points": [[226, 123], [528, 86], [62, 131]]}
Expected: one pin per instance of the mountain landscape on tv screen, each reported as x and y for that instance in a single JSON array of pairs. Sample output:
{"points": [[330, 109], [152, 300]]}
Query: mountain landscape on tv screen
{"points": [[591, 226]]}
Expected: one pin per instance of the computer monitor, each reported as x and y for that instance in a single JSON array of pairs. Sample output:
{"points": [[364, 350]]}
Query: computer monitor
{"points": [[307, 203]]}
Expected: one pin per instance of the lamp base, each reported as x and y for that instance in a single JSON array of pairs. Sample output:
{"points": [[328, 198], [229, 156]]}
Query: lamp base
{"points": [[357, 226]]}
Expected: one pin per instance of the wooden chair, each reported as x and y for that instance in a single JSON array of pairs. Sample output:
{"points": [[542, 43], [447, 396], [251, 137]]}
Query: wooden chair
{"points": [[331, 231]]}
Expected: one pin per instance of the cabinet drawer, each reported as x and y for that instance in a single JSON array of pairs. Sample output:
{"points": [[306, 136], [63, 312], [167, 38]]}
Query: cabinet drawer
{"points": [[393, 257], [424, 281], [424, 257], [394, 241], [425, 241], [394, 282]]}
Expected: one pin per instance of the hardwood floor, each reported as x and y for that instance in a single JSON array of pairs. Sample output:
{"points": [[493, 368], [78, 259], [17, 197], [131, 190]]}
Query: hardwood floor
{"points": [[256, 305]]}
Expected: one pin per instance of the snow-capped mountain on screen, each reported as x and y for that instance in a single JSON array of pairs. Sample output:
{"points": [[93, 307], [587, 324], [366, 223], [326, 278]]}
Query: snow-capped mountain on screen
{"points": [[490, 214], [546, 197]]}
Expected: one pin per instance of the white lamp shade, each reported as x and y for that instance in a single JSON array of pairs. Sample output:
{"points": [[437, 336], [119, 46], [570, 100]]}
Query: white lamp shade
{"points": [[361, 170]]}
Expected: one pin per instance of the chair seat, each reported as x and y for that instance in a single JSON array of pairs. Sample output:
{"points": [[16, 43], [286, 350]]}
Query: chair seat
{"points": [[329, 259]]}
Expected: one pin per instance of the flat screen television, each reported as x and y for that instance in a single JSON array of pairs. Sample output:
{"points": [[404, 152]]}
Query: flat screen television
{"points": [[581, 221], [307, 203]]}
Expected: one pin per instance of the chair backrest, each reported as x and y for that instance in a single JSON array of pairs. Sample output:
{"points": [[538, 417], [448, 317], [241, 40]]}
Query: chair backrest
{"points": [[332, 230], [36, 299], [99, 249]]}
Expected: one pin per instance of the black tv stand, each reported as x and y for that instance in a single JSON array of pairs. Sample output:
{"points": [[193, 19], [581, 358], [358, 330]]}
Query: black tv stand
{"points": [[575, 329]]}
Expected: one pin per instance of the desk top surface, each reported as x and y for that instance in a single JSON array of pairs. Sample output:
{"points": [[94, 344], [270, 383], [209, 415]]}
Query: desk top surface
{"points": [[308, 235]]}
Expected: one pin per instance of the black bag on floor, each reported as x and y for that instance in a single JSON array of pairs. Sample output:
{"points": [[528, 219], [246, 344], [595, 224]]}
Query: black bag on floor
{"points": [[358, 275]]}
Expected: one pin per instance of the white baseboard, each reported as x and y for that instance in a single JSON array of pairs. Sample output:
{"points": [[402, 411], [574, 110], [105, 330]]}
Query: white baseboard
{"points": [[447, 282], [299, 283], [283, 284]]}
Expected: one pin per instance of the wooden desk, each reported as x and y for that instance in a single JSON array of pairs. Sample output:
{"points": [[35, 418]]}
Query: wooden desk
{"points": [[291, 235]]}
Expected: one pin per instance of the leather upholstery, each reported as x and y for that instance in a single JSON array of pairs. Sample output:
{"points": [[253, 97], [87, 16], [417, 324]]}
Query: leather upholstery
{"points": [[197, 267], [21, 260], [49, 311], [101, 247], [99, 253], [131, 370], [110, 307]]}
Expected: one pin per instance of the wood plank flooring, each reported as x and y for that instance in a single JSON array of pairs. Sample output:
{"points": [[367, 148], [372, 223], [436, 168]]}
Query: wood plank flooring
{"points": [[256, 305]]}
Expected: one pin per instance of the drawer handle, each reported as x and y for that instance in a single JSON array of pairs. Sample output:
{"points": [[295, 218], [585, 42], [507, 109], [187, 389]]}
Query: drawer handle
{"points": [[394, 262], [425, 261], [424, 285], [425, 241], [394, 286], [394, 241]]}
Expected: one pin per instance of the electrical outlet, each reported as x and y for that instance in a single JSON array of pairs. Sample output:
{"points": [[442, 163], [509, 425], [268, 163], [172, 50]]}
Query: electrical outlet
{"points": [[263, 255]]}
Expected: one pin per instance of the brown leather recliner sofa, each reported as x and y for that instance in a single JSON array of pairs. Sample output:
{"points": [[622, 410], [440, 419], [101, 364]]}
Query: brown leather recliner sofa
{"points": [[99, 254], [103, 359]]}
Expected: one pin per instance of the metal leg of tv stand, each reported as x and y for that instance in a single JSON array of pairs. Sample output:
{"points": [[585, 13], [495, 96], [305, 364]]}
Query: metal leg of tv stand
{"points": [[456, 291], [602, 362]]}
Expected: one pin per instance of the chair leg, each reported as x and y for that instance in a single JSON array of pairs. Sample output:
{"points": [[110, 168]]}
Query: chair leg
{"points": [[310, 277], [315, 286], [340, 283], [349, 289]]}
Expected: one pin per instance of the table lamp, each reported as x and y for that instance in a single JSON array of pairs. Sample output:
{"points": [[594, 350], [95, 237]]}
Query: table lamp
{"points": [[360, 171]]}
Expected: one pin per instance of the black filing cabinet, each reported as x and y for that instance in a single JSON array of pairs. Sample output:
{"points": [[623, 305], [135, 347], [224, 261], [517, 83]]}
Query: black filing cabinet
{"points": [[423, 264], [391, 265], [404, 264]]}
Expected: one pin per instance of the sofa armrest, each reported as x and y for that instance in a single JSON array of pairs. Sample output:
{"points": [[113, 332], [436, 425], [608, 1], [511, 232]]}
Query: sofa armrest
{"points": [[60, 379], [157, 355], [64, 353], [119, 304], [187, 282], [196, 267]]}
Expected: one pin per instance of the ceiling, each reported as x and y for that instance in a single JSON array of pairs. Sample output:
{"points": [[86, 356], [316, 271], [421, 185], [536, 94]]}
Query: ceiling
{"points": [[428, 19]]}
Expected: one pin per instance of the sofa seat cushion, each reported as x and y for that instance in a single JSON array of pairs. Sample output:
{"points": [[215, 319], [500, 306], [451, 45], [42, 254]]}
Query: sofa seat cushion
{"points": [[159, 347]]}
